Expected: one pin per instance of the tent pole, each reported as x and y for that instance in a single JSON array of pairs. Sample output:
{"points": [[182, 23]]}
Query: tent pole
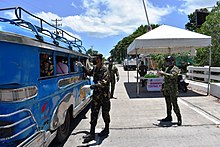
{"points": [[210, 64], [128, 71], [138, 89], [128, 76]]}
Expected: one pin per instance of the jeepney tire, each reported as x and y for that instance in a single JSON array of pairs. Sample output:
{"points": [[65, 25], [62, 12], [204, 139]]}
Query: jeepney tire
{"points": [[63, 131]]}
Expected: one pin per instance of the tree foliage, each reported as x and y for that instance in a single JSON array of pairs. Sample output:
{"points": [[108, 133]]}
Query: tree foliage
{"points": [[211, 28], [91, 51]]}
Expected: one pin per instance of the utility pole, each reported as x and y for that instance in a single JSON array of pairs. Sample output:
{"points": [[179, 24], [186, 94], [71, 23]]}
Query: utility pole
{"points": [[149, 28], [56, 24]]}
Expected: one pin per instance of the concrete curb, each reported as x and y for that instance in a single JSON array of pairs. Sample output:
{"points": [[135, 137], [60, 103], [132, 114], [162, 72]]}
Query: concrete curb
{"points": [[202, 87]]}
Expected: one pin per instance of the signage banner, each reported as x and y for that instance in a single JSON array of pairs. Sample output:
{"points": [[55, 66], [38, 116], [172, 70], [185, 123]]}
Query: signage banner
{"points": [[154, 84]]}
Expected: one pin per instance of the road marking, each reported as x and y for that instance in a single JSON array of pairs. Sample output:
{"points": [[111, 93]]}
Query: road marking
{"points": [[201, 112]]}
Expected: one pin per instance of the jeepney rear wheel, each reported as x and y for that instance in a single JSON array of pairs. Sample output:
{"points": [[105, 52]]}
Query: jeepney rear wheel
{"points": [[63, 131]]}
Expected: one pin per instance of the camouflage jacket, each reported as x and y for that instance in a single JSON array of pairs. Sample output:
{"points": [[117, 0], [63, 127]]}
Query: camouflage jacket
{"points": [[142, 70], [170, 78], [113, 71], [101, 79]]}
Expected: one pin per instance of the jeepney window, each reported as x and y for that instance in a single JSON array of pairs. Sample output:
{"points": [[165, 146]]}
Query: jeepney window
{"points": [[46, 65], [61, 65], [83, 61], [73, 65]]}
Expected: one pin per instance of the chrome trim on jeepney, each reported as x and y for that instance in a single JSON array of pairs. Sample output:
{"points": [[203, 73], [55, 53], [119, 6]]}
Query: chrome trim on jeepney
{"points": [[16, 123], [18, 94], [68, 81], [59, 113], [40, 138], [35, 140]]}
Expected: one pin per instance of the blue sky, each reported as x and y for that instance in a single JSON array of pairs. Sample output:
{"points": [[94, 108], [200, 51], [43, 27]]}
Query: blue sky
{"points": [[100, 24]]}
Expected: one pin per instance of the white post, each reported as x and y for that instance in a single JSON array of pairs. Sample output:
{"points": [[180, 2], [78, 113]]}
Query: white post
{"points": [[148, 22], [210, 64], [138, 89], [206, 73]]}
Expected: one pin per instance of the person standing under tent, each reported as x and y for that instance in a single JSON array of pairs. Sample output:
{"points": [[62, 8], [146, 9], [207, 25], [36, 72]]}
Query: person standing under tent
{"points": [[170, 89], [142, 70]]}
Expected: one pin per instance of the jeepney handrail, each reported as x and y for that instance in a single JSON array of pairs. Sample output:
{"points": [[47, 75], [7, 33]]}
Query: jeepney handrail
{"points": [[18, 11], [33, 28], [65, 40], [8, 20], [51, 34], [18, 122], [18, 20]]}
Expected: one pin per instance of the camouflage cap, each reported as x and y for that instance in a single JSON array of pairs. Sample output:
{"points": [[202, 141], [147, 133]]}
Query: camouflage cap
{"points": [[97, 56], [170, 58]]}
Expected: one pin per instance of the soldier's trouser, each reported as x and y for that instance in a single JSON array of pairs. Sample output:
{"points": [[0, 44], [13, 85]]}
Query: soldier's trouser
{"points": [[95, 107], [112, 88], [171, 100]]}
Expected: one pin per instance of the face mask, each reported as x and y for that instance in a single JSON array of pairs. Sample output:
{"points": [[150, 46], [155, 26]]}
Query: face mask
{"points": [[169, 63], [94, 62]]}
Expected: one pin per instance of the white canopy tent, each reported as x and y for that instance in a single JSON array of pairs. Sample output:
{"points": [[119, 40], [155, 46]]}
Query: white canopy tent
{"points": [[167, 40]]}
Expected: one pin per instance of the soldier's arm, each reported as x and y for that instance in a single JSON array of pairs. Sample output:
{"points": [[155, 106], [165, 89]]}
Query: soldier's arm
{"points": [[173, 73], [104, 81], [116, 72], [87, 71]]}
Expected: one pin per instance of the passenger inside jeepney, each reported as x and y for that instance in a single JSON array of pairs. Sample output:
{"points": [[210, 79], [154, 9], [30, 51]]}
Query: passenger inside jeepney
{"points": [[73, 65], [46, 65], [142, 71], [61, 66]]}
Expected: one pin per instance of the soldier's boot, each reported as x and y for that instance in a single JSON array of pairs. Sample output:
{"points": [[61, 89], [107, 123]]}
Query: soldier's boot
{"points": [[105, 131], [91, 136], [168, 118], [179, 120]]}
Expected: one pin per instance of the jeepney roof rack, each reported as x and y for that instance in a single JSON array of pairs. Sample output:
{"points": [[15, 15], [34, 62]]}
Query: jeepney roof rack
{"points": [[57, 35]]}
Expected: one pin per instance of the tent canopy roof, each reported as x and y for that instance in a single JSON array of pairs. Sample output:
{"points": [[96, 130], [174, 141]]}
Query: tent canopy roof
{"points": [[168, 39]]}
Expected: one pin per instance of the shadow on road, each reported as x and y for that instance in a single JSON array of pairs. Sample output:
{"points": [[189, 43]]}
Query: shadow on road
{"points": [[165, 124], [98, 140], [131, 89], [190, 93]]}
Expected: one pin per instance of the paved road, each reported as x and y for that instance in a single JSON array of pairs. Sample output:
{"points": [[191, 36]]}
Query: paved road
{"points": [[134, 120]]}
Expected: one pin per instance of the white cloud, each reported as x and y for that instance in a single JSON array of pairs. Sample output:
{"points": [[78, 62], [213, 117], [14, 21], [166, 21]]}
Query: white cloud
{"points": [[50, 17], [122, 16], [189, 6], [72, 4], [10, 15], [103, 18]]}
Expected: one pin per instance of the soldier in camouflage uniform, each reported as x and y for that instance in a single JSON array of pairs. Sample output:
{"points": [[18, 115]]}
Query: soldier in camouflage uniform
{"points": [[142, 70], [100, 97], [113, 70], [170, 89]]}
